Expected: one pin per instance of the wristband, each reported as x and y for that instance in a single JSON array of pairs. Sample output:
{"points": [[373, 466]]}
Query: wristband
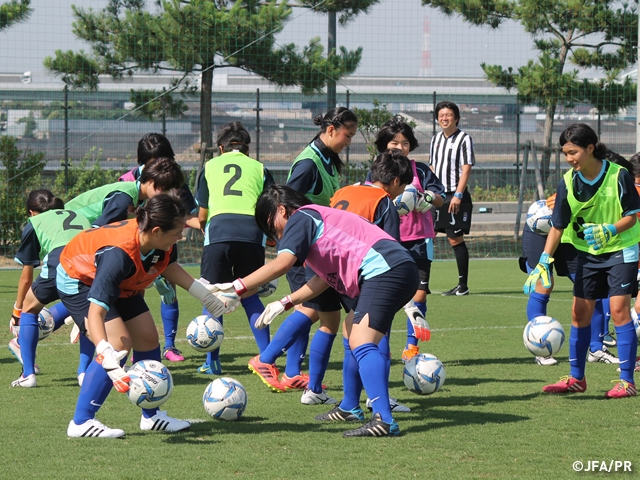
{"points": [[458, 195], [16, 311], [286, 301], [239, 286]]}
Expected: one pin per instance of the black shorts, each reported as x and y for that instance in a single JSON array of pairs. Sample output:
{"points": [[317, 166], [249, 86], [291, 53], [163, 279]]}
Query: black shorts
{"points": [[565, 258], [593, 283], [125, 308], [224, 262], [327, 301], [44, 287], [454, 225], [422, 253], [384, 295]]}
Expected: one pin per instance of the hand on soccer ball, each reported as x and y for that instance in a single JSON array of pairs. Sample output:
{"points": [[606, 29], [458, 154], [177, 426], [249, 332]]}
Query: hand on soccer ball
{"points": [[272, 310], [110, 360], [425, 201], [166, 290], [542, 272], [203, 292], [599, 235], [421, 328]]}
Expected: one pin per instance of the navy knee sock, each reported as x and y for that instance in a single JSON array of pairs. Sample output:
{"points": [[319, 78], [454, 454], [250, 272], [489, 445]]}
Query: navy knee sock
{"points": [[253, 307]]}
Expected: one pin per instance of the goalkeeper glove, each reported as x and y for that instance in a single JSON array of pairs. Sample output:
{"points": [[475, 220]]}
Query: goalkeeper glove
{"points": [[599, 235], [542, 272], [110, 360]]}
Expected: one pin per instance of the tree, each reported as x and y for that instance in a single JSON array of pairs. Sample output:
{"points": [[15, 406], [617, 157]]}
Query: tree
{"points": [[14, 11], [30, 125], [196, 36], [600, 34]]}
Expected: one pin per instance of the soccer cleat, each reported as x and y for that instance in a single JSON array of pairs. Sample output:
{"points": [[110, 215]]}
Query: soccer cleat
{"points": [[173, 354], [339, 415], [161, 422], [636, 368], [410, 352], [27, 382], [374, 428], [93, 428], [80, 378], [74, 335], [546, 361], [309, 397], [297, 382], [268, 373], [14, 346], [567, 385], [609, 340], [622, 389], [208, 369], [603, 356], [393, 403], [457, 291]]}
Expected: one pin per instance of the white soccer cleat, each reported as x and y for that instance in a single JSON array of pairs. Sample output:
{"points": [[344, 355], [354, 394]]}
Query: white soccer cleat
{"points": [[546, 361], [14, 346], [309, 397], [80, 378], [161, 422], [74, 335], [393, 404], [93, 428], [27, 382], [603, 356]]}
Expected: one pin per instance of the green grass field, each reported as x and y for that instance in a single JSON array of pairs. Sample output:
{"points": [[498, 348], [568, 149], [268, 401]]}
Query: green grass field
{"points": [[490, 419]]}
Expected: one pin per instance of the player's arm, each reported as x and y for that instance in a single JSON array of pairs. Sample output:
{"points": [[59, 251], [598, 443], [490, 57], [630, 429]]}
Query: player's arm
{"points": [[304, 177], [454, 206], [270, 271], [28, 257], [115, 208], [26, 279], [202, 198], [431, 183]]}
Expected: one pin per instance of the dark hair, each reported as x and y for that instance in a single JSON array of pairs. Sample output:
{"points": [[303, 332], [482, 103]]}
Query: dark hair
{"points": [[635, 163], [165, 211], [42, 200], [616, 158], [268, 202], [451, 106], [234, 136], [583, 135], [337, 117], [154, 145], [389, 165], [164, 173], [390, 129]]}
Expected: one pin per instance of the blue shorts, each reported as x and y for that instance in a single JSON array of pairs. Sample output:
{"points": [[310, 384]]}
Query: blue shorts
{"points": [[565, 258], [224, 262], [384, 295], [78, 306], [422, 253], [327, 301], [593, 283], [44, 287]]}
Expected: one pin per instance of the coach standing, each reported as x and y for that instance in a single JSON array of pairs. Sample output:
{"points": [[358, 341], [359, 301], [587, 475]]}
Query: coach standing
{"points": [[451, 157]]}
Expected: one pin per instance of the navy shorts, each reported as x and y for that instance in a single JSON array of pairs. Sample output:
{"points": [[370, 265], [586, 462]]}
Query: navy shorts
{"points": [[384, 295], [422, 253], [224, 262], [327, 301], [593, 283], [565, 258], [454, 225], [78, 306], [44, 287]]}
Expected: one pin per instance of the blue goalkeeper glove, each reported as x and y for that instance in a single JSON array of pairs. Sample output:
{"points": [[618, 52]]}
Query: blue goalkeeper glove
{"points": [[542, 272], [166, 290], [599, 235]]}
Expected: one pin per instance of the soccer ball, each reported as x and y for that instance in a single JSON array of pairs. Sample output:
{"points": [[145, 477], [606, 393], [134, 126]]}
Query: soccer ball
{"points": [[424, 374], [636, 321], [539, 217], [46, 323], [407, 200], [268, 288], [151, 384], [543, 336], [225, 399], [205, 333]]}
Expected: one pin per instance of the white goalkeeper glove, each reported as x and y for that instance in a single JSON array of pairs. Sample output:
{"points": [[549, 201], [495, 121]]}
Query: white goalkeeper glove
{"points": [[110, 360], [211, 302], [425, 201], [272, 310], [14, 322], [166, 290], [421, 328]]}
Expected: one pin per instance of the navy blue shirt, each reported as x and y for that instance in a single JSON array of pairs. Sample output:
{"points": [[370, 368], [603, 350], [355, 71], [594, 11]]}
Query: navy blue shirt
{"points": [[116, 207], [29, 251], [305, 176]]}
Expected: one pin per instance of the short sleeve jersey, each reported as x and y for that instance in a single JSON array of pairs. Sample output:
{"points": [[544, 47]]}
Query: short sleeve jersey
{"points": [[448, 155]]}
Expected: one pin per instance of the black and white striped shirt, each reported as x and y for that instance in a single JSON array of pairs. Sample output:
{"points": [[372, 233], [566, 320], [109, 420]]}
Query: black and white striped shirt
{"points": [[448, 155]]}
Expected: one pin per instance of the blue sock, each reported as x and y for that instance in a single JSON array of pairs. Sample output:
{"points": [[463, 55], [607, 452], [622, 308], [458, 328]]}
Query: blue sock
{"points": [[94, 391], [215, 355], [606, 309], [87, 349], [319, 354], [28, 341], [285, 336], [148, 355], [627, 350], [411, 339], [597, 327], [297, 350], [385, 351], [537, 305], [170, 314], [59, 313], [372, 368], [253, 307], [351, 381], [578, 346]]}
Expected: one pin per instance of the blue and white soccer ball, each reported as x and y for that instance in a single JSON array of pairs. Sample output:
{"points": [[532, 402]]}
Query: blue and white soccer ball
{"points": [[543, 336], [46, 324], [151, 384], [268, 288], [407, 200], [225, 399], [539, 217], [205, 333], [424, 374], [636, 322]]}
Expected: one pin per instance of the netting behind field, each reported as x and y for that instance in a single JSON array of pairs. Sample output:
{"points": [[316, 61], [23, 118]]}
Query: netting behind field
{"points": [[79, 88]]}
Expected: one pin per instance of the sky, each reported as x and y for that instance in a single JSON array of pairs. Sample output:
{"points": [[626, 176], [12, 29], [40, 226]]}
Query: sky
{"points": [[391, 36]]}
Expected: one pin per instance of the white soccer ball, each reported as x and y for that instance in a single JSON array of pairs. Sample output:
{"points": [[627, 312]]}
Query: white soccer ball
{"points": [[407, 200], [539, 217], [151, 384], [543, 336], [46, 324], [424, 374], [636, 322], [268, 288], [205, 333], [225, 399]]}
